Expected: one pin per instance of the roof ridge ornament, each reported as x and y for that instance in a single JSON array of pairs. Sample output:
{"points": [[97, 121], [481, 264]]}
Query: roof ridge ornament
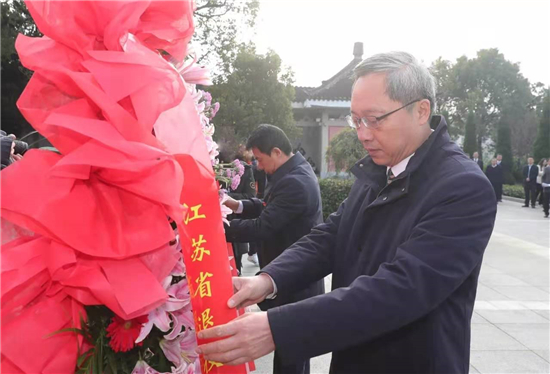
{"points": [[358, 50]]}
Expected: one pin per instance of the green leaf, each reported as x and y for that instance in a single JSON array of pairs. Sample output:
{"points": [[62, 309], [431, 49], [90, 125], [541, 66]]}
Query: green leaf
{"points": [[112, 363], [69, 329], [82, 358]]}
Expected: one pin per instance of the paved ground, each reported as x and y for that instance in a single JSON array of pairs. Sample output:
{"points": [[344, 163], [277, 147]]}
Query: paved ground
{"points": [[510, 326]]}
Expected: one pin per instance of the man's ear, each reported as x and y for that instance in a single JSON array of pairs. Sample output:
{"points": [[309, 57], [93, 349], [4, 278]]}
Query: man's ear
{"points": [[423, 111], [276, 152]]}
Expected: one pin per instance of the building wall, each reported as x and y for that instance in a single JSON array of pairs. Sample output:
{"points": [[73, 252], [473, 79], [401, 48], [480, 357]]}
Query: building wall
{"points": [[319, 125], [311, 141]]}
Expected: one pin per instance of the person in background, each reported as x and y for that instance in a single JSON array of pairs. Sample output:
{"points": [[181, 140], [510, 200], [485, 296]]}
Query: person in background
{"points": [[245, 190], [538, 193], [499, 160], [545, 181], [530, 173], [477, 160], [291, 207], [11, 149], [495, 174]]}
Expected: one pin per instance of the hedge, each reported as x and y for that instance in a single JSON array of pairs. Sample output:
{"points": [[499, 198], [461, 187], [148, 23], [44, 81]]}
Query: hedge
{"points": [[334, 191], [513, 190]]}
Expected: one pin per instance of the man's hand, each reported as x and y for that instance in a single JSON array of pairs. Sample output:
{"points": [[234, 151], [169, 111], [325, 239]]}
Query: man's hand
{"points": [[247, 338], [231, 204], [250, 290]]}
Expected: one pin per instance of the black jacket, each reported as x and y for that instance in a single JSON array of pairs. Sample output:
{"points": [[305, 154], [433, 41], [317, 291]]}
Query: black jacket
{"points": [[479, 163], [247, 186], [290, 209], [532, 174], [405, 260], [546, 175], [495, 174], [260, 178]]}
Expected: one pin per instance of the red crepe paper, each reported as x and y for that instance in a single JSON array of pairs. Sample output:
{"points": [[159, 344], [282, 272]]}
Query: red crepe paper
{"points": [[89, 226]]}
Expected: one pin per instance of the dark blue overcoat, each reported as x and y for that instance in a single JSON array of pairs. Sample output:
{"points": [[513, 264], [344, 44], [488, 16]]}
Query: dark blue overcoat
{"points": [[405, 259]]}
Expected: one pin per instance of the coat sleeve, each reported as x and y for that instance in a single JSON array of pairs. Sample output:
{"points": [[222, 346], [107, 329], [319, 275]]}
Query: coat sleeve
{"points": [[286, 204], [309, 259], [444, 247]]}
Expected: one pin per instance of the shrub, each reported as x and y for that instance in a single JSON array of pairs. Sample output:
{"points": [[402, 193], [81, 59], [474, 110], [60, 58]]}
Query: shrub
{"points": [[333, 192], [513, 190], [344, 150]]}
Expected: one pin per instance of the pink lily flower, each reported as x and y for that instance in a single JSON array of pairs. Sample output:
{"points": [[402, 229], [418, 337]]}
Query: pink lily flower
{"points": [[160, 317], [182, 349], [143, 368]]}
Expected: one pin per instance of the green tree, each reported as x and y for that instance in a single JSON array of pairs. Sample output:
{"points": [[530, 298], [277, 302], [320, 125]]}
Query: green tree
{"points": [[542, 142], [504, 147], [488, 85], [258, 90], [15, 20], [220, 28], [470, 144], [344, 150]]}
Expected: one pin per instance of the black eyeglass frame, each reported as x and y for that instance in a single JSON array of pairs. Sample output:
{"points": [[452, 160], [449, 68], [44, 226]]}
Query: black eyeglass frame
{"points": [[365, 121]]}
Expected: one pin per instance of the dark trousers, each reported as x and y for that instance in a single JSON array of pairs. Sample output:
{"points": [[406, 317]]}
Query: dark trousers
{"points": [[253, 248], [546, 200], [538, 193], [498, 191], [530, 190], [238, 250], [301, 367]]}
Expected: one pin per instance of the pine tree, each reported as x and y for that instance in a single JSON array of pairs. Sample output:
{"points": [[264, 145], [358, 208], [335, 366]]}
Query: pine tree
{"points": [[470, 145], [504, 147], [542, 142]]}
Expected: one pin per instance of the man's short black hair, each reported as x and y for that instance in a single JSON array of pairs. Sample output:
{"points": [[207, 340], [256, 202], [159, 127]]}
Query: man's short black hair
{"points": [[267, 137]]}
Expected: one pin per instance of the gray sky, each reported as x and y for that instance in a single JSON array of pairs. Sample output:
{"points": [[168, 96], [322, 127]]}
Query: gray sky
{"points": [[315, 38]]}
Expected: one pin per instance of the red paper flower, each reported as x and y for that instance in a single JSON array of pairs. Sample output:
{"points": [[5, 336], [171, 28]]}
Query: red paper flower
{"points": [[123, 333]]}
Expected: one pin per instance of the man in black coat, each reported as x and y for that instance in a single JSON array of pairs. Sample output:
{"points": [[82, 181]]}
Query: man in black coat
{"points": [[245, 190], [290, 209], [477, 160], [546, 191], [404, 249], [495, 174], [530, 173]]}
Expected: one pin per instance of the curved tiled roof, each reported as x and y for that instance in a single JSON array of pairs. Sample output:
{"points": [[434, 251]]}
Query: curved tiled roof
{"points": [[338, 87]]}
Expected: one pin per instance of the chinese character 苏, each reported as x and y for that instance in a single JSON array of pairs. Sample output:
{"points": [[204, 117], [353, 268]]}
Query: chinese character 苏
{"points": [[199, 251]]}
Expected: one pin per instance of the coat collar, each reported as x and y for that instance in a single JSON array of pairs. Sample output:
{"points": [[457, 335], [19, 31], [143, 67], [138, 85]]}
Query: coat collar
{"points": [[285, 168], [366, 169]]}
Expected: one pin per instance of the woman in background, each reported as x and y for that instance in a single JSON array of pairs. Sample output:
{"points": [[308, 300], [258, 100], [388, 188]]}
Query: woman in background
{"points": [[539, 196]]}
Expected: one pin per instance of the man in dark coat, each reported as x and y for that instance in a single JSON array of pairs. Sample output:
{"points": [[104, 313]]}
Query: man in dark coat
{"points": [[530, 173], [245, 190], [404, 249], [290, 209], [477, 160], [495, 174], [546, 191]]}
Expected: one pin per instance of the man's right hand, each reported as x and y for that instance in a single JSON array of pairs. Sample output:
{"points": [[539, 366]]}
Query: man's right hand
{"points": [[231, 203], [250, 290]]}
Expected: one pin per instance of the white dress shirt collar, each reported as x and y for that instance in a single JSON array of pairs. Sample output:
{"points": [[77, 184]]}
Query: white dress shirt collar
{"points": [[400, 167]]}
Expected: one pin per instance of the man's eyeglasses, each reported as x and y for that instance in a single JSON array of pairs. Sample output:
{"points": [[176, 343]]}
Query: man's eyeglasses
{"points": [[373, 122]]}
